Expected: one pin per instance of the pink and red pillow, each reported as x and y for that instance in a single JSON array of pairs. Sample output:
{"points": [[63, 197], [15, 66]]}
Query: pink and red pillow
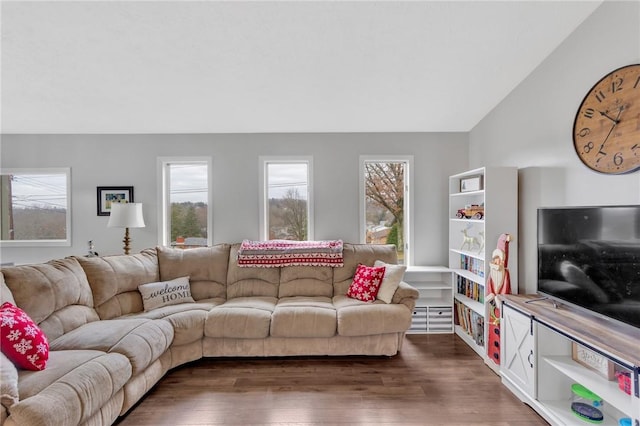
{"points": [[21, 339], [366, 283]]}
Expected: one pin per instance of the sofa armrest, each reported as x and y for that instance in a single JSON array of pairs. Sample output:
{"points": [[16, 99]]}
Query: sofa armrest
{"points": [[406, 294], [8, 386]]}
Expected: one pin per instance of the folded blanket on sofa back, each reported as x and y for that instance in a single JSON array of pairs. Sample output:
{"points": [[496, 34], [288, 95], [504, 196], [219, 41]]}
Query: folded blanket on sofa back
{"points": [[278, 253]]}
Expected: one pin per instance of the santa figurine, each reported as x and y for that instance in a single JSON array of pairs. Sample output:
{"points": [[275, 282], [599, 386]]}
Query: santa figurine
{"points": [[498, 283]]}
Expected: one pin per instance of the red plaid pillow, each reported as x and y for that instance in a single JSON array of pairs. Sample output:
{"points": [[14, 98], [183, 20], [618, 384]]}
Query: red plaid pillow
{"points": [[366, 283], [21, 339]]}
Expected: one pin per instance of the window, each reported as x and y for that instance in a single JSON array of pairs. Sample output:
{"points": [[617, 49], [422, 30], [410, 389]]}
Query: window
{"points": [[385, 214], [185, 199], [286, 198], [35, 207]]}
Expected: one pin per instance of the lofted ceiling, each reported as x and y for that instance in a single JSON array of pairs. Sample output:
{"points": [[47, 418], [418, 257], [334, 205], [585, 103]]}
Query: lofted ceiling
{"points": [[269, 66]]}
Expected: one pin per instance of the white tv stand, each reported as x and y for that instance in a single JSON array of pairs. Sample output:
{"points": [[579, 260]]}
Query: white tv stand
{"points": [[537, 365]]}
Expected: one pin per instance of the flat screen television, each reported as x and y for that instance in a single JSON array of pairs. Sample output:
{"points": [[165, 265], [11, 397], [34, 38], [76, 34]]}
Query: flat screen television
{"points": [[589, 258]]}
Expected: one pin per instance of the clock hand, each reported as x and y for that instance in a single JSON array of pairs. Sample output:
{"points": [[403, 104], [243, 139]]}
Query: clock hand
{"points": [[605, 139], [615, 120], [604, 114], [615, 123]]}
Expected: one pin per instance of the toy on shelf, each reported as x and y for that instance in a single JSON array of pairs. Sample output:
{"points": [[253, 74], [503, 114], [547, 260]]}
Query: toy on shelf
{"points": [[470, 241], [624, 381], [475, 211], [585, 404]]}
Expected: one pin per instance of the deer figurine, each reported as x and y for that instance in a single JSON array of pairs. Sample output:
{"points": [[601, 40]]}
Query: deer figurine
{"points": [[480, 241], [469, 241]]}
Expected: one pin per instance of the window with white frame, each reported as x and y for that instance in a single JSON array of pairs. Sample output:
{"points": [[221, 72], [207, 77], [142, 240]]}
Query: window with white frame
{"points": [[185, 202], [385, 202], [286, 199], [35, 207]]}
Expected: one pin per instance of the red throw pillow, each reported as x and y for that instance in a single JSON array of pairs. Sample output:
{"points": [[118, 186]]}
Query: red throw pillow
{"points": [[21, 339], [366, 283]]}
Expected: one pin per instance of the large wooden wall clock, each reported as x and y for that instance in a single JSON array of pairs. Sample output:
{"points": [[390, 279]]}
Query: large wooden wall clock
{"points": [[606, 130]]}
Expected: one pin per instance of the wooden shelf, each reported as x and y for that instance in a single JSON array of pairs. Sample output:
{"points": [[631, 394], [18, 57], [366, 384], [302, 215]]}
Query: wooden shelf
{"points": [[464, 194], [469, 253], [560, 412], [470, 275], [617, 340], [548, 332], [607, 390], [455, 219], [476, 306], [433, 302]]}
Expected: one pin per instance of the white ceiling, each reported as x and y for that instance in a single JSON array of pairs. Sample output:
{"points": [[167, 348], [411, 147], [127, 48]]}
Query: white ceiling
{"points": [[268, 66]]}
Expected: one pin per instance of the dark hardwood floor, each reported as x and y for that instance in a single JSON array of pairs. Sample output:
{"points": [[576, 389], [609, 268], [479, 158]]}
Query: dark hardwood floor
{"points": [[435, 380]]}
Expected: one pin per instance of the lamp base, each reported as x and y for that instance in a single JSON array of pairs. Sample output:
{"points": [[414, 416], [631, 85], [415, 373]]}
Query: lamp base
{"points": [[126, 241]]}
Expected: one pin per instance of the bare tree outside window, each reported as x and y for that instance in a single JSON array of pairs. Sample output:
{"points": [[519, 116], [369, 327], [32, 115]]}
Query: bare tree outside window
{"points": [[287, 191], [294, 214], [385, 198]]}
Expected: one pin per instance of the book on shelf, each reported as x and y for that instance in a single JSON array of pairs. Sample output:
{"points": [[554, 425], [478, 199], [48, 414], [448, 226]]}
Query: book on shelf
{"points": [[472, 265], [470, 321], [470, 289]]}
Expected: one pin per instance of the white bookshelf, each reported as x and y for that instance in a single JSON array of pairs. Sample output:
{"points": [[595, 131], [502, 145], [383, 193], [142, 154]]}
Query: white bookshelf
{"points": [[498, 193]]}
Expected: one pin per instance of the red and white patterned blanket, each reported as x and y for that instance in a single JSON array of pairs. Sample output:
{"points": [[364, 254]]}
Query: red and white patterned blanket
{"points": [[277, 253]]}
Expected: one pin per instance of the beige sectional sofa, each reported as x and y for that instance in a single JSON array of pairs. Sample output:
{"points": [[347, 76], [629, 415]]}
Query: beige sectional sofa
{"points": [[106, 352]]}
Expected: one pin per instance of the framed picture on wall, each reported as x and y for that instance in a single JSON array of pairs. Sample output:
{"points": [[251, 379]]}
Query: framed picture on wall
{"points": [[113, 194]]}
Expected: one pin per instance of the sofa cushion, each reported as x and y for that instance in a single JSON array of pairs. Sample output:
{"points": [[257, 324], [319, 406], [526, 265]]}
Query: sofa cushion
{"points": [[393, 274], [60, 364], [64, 299], [114, 281], [21, 339], [206, 267], [306, 281], [74, 387], [188, 326], [165, 293], [357, 318], [304, 317], [186, 319], [205, 305], [250, 281], [140, 340], [365, 254], [242, 317]]}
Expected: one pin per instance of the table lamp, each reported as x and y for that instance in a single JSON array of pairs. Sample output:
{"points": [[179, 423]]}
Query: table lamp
{"points": [[126, 215]]}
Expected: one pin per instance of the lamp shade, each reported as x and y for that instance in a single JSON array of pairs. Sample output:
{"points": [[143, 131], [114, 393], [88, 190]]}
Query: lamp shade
{"points": [[126, 215]]}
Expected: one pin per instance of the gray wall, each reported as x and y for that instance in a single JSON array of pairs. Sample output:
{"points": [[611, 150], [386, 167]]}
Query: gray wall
{"points": [[532, 128], [123, 160]]}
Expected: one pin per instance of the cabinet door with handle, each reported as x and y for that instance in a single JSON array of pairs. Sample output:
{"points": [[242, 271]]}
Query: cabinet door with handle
{"points": [[518, 351]]}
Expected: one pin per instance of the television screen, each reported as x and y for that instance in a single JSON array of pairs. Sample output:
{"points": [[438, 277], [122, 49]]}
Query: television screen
{"points": [[589, 257]]}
